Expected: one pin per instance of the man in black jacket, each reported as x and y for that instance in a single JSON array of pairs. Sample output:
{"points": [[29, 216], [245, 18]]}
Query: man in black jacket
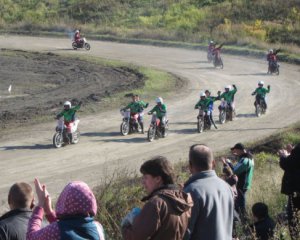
{"points": [[13, 224], [290, 163]]}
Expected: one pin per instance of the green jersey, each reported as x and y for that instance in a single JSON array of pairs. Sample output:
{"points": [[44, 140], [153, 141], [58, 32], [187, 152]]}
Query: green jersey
{"points": [[229, 96], [160, 110], [136, 107], [69, 114], [261, 92], [204, 104]]}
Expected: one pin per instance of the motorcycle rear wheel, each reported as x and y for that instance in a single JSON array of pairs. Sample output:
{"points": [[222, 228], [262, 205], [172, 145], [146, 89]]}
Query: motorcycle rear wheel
{"points": [[124, 128], [151, 133], [87, 46], [58, 140]]}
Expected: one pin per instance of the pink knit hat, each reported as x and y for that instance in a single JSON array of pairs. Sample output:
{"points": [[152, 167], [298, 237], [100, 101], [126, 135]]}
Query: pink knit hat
{"points": [[76, 198]]}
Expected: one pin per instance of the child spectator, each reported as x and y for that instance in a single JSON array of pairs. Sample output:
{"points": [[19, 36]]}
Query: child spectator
{"points": [[263, 225], [73, 218], [13, 224]]}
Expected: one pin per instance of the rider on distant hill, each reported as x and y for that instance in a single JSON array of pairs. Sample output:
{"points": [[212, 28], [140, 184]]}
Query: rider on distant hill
{"points": [[137, 107], [161, 111], [77, 37], [260, 93], [272, 58], [228, 96]]}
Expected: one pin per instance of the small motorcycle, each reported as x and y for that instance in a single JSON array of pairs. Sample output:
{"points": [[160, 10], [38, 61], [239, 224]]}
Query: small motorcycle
{"points": [[273, 68], [203, 121], [129, 123], [81, 44], [157, 129], [260, 107], [62, 137], [226, 112]]}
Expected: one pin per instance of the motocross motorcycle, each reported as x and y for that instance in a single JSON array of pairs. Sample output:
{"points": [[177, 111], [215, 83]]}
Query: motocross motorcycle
{"points": [[226, 112], [217, 60], [62, 137], [157, 129], [203, 121], [260, 106], [81, 44], [129, 123], [273, 68]]}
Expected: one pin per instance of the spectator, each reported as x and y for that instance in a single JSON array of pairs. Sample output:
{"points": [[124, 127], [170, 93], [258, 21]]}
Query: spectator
{"points": [[13, 224], [290, 163], [74, 216], [167, 210], [244, 171], [263, 226], [212, 213]]}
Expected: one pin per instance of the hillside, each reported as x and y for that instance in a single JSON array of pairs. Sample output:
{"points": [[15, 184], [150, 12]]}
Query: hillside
{"points": [[231, 21]]}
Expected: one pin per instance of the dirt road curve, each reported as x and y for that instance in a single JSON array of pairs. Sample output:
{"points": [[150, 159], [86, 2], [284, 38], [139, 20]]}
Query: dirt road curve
{"points": [[102, 150]]}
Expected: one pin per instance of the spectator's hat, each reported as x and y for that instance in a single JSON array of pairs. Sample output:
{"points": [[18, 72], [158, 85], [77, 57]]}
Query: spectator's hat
{"points": [[238, 146]]}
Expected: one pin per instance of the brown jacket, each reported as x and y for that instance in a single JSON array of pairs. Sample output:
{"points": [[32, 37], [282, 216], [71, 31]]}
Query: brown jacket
{"points": [[164, 216]]}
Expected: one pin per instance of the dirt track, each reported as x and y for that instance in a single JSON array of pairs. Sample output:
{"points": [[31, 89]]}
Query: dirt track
{"points": [[102, 150]]}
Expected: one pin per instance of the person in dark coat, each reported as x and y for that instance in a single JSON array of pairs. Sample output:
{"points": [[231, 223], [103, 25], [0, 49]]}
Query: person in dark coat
{"points": [[290, 163], [263, 226], [13, 224]]}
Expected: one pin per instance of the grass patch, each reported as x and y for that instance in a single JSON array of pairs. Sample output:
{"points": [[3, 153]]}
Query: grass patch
{"points": [[122, 193]]}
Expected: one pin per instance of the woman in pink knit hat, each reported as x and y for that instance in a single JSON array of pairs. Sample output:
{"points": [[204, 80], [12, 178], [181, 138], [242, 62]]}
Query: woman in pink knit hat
{"points": [[73, 218]]}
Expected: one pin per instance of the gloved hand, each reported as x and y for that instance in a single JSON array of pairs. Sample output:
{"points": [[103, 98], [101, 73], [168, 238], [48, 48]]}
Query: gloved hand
{"points": [[268, 86], [219, 93], [233, 85], [147, 104]]}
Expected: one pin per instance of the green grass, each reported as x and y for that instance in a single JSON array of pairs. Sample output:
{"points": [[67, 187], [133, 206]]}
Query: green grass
{"points": [[123, 191]]}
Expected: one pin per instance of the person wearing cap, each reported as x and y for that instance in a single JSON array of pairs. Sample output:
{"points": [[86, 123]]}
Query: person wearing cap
{"points": [[228, 96], [244, 171], [260, 93]]}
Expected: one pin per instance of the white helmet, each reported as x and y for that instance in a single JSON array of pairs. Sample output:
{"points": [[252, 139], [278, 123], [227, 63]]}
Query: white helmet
{"points": [[228, 87], [202, 94], [67, 103], [159, 100], [270, 50], [211, 42], [261, 83], [77, 31]]}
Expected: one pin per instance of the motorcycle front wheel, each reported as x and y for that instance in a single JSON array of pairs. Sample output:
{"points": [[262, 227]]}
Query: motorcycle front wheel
{"points": [[124, 128], [151, 133], [58, 140], [222, 117], [76, 136], [87, 46], [258, 110], [74, 45], [200, 125]]}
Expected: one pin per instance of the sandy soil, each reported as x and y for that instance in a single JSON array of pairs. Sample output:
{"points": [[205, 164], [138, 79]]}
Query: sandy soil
{"points": [[102, 151]]}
